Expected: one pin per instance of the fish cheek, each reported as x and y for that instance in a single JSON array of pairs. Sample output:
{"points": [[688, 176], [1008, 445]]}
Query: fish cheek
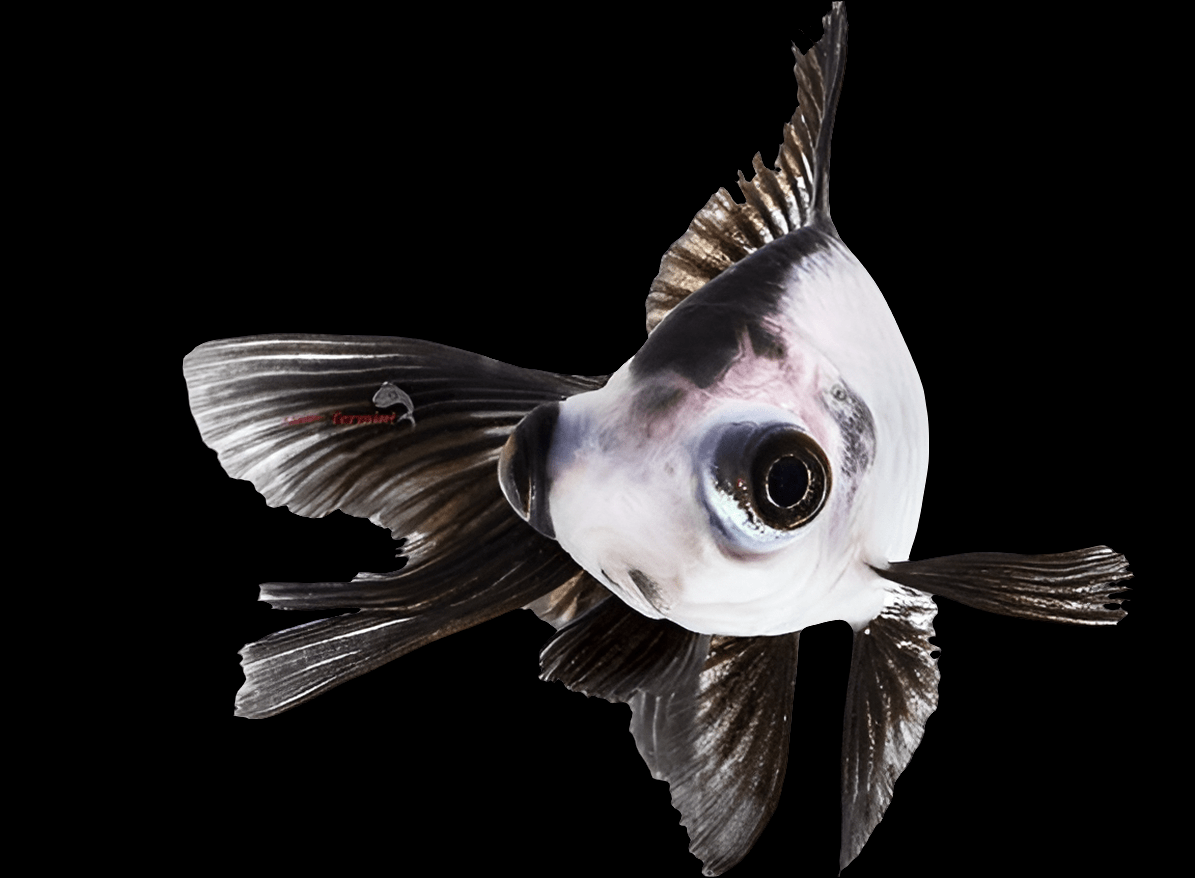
{"points": [[523, 467]]}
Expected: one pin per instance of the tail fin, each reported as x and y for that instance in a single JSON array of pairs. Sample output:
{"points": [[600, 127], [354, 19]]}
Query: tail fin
{"points": [[313, 422]]}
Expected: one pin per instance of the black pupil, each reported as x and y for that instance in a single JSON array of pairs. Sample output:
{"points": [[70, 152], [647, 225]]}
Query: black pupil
{"points": [[788, 480]]}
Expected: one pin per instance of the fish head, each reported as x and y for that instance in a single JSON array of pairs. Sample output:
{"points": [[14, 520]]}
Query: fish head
{"points": [[741, 474]]}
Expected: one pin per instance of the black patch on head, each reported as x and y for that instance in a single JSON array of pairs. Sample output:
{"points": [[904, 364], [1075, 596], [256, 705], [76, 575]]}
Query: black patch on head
{"points": [[658, 399], [765, 343], [700, 338], [857, 427]]}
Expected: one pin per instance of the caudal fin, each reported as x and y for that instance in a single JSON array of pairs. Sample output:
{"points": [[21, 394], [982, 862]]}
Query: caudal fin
{"points": [[405, 433]]}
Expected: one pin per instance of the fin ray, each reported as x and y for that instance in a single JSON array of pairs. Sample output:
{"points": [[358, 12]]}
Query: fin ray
{"points": [[290, 667], [1075, 587], [737, 712], [612, 652], [297, 415], [571, 600], [268, 406]]}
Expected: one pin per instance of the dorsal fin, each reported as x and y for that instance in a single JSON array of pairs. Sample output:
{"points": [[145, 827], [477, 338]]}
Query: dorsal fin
{"points": [[794, 195]]}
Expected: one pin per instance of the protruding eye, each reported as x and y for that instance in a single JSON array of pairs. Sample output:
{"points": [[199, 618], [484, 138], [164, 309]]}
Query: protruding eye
{"points": [[790, 478], [766, 481]]}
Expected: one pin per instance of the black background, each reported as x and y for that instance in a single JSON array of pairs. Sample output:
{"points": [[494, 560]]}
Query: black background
{"points": [[508, 185]]}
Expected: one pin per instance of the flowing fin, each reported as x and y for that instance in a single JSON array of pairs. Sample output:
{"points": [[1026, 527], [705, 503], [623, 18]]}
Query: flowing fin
{"points": [[268, 406], [894, 678], [612, 652], [295, 415], [575, 598], [515, 566], [794, 195], [702, 707], [290, 667], [736, 713], [892, 691], [1074, 587]]}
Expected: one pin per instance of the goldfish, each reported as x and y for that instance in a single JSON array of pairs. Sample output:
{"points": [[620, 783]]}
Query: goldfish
{"points": [[756, 469]]}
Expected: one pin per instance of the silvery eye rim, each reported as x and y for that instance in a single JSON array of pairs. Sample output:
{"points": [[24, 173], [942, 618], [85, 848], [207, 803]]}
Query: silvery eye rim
{"points": [[735, 461]]}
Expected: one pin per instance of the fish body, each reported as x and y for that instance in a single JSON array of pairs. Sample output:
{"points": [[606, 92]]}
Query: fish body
{"points": [[643, 441], [747, 387]]}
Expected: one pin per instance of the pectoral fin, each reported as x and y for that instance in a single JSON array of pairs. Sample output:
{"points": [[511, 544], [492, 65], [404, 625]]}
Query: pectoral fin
{"points": [[892, 691], [1075, 587]]}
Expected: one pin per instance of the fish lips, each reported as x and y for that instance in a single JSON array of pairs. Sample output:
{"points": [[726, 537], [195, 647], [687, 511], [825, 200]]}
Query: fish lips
{"points": [[523, 467]]}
